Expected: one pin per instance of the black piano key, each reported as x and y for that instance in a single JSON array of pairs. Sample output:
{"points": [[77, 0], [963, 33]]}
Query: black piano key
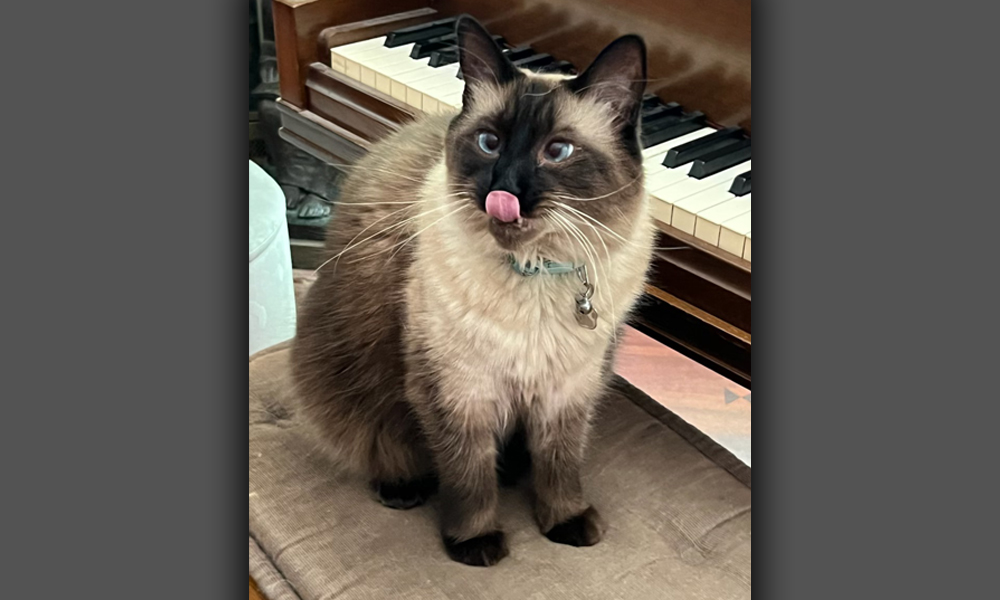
{"points": [[560, 66], [667, 119], [425, 48], [512, 54], [702, 147], [741, 187], [673, 129], [651, 101], [534, 62], [417, 33], [664, 111], [447, 56], [720, 160], [660, 117], [446, 43]]}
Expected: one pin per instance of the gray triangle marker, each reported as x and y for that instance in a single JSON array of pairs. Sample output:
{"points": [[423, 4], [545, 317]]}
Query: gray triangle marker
{"points": [[748, 398], [731, 397]]}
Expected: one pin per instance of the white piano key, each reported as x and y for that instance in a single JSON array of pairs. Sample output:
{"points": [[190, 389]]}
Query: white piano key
{"points": [[337, 62], [734, 234], [432, 89], [669, 187], [380, 53], [443, 79], [340, 54], [349, 50], [661, 211], [396, 66], [685, 214], [370, 66], [709, 226], [746, 250], [387, 61], [419, 72], [454, 99], [443, 91]]}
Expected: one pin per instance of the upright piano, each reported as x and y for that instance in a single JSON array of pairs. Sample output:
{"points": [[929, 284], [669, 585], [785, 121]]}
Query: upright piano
{"points": [[352, 71]]}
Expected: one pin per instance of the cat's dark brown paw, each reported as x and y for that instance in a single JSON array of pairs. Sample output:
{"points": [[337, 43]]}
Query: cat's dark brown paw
{"points": [[582, 531], [405, 495], [484, 551]]}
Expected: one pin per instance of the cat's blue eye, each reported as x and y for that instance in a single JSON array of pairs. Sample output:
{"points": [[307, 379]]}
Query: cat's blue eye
{"points": [[558, 151], [489, 143]]}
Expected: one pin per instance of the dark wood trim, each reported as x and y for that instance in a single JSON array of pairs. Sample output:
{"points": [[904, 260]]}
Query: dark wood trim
{"points": [[361, 110], [297, 27], [694, 338], [321, 138], [704, 281], [339, 35]]}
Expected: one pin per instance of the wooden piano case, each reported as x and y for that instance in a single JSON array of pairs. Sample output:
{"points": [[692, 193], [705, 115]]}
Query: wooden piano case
{"points": [[698, 299]]}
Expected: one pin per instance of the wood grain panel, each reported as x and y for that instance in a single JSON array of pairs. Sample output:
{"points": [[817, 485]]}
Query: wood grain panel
{"points": [[298, 24]]}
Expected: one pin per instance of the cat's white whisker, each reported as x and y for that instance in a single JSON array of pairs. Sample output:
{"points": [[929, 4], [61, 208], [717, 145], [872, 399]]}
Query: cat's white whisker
{"points": [[580, 213], [582, 241], [608, 195], [398, 247], [397, 226], [364, 167], [360, 233], [606, 266]]}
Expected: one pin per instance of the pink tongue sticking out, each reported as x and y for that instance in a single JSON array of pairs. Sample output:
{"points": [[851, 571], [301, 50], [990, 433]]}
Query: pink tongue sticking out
{"points": [[503, 206]]}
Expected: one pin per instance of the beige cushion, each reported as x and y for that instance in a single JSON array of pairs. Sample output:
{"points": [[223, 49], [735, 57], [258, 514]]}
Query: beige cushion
{"points": [[679, 522]]}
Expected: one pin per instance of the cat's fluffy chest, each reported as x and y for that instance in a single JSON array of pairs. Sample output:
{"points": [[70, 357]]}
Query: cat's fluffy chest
{"points": [[495, 334]]}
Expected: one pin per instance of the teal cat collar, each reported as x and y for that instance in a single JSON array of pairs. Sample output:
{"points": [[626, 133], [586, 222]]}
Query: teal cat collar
{"points": [[551, 267]]}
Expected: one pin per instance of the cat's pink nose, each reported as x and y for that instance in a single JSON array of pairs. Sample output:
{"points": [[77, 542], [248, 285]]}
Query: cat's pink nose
{"points": [[503, 206]]}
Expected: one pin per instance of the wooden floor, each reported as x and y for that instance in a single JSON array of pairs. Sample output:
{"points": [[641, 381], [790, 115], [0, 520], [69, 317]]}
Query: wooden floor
{"points": [[711, 403], [254, 594]]}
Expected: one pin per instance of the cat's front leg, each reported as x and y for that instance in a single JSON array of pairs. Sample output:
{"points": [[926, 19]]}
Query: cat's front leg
{"points": [[557, 438], [462, 435]]}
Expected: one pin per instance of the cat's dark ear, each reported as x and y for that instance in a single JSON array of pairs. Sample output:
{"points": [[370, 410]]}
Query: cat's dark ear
{"points": [[617, 78], [480, 58]]}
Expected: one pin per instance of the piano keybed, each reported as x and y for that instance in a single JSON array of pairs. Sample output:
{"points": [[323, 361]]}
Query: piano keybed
{"points": [[697, 175]]}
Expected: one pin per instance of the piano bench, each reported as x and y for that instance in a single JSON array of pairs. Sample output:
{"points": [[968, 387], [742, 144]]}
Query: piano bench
{"points": [[678, 510]]}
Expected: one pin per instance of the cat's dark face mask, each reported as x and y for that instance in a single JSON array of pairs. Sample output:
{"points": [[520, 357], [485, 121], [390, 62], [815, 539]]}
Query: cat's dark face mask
{"points": [[545, 158]]}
